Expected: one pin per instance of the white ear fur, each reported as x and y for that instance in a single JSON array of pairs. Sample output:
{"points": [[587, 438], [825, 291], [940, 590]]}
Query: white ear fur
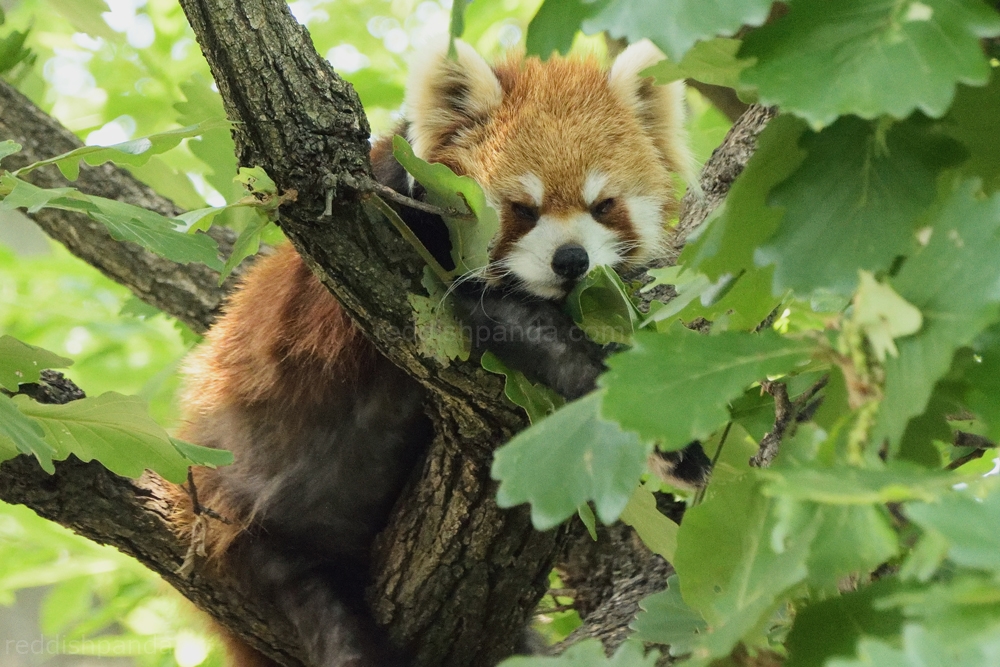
{"points": [[661, 109], [624, 75], [444, 95]]}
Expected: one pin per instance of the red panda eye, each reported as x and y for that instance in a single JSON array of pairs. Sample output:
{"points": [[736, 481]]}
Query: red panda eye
{"points": [[524, 213], [603, 207]]}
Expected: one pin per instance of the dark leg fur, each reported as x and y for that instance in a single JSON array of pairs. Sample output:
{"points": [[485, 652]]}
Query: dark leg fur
{"points": [[532, 335], [323, 599]]}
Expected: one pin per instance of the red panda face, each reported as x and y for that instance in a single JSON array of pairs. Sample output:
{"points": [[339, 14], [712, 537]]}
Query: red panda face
{"points": [[576, 158]]}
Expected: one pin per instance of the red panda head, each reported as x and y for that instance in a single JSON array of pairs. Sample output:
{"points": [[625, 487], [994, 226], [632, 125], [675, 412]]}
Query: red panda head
{"points": [[576, 158]]}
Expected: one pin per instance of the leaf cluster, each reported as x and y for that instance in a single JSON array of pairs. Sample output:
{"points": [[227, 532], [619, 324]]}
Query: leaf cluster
{"points": [[868, 225]]}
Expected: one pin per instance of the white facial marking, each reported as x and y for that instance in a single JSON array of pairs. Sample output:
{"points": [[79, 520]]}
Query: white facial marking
{"points": [[530, 259], [534, 187], [592, 186], [646, 214]]}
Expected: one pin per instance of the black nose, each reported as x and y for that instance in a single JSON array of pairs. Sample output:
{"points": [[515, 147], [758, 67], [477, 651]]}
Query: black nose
{"points": [[570, 261]]}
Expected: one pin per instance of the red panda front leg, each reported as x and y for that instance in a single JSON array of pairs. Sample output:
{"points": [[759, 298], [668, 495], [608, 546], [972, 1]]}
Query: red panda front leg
{"points": [[532, 335]]}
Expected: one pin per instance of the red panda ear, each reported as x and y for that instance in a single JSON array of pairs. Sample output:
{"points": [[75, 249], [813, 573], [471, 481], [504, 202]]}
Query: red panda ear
{"points": [[659, 109], [445, 96]]}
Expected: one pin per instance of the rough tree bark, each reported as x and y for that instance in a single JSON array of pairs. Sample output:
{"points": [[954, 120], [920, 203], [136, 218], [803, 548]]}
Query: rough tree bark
{"points": [[455, 576]]}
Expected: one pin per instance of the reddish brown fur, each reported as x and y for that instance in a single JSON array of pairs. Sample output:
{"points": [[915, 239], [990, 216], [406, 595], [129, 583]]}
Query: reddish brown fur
{"points": [[560, 120], [279, 321]]}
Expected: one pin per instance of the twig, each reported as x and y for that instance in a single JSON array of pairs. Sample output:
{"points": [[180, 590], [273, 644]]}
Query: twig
{"points": [[699, 495], [962, 460], [196, 507], [786, 414], [554, 610], [562, 592], [769, 320], [397, 222], [783, 410], [386, 192]]}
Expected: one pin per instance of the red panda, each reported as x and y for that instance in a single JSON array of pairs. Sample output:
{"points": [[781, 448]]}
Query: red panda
{"points": [[579, 161]]}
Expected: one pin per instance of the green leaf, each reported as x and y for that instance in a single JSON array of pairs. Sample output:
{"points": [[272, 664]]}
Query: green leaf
{"points": [[567, 459], [869, 57], [439, 333], [675, 25], [155, 233], [246, 244], [85, 15], [213, 147], [927, 645], [983, 378], [21, 363], [111, 428], [850, 539], [875, 653], [883, 315], [136, 307], [833, 627], [537, 400], [688, 286], [926, 557], [843, 485], [600, 305], [675, 387], [737, 303], [32, 198], [959, 302], [9, 147], [655, 530], [588, 519], [590, 653], [968, 523], [556, 23], [202, 456], [917, 443], [125, 222], [470, 239], [199, 219], [20, 434], [973, 119], [256, 179], [853, 203], [12, 51], [714, 62], [725, 243], [135, 152], [666, 619], [457, 19], [754, 411], [732, 567]]}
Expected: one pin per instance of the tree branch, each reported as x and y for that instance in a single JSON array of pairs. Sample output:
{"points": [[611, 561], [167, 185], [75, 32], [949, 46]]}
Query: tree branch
{"points": [[190, 293], [134, 517]]}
